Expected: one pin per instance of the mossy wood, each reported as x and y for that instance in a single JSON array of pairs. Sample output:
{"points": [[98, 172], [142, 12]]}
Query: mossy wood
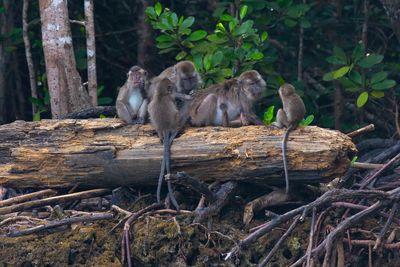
{"points": [[105, 152]]}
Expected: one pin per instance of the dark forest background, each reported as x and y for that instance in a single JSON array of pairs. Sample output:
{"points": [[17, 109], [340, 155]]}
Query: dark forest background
{"points": [[343, 56]]}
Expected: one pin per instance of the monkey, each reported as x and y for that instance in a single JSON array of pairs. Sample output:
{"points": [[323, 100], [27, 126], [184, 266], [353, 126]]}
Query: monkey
{"points": [[186, 80], [164, 117], [222, 104], [132, 101], [290, 116]]}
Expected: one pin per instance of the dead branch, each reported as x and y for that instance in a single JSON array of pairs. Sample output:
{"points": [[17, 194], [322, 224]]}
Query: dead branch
{"points": [[183, 179], [53, 200], [23, 198], [365, 165], [54, 224]]}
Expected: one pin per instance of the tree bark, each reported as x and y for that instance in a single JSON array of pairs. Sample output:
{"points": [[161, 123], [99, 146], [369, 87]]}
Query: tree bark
{"points": [[104, 152], [28, 53], [65, 87], [91, 51]]}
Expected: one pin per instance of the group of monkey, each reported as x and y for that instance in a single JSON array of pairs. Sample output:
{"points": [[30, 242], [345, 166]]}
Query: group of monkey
{"points": [[171, 101]]}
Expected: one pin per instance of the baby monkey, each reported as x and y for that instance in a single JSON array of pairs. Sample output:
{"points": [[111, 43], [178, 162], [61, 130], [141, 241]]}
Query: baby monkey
{"points": [[131, 102], [164, 117], [290, 116]]}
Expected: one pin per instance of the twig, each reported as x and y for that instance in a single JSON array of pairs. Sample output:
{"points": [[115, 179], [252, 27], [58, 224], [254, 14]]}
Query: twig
{"points": [[17, 218], [183, 179], [310, 242], [52, 200], [365, 129], [223, 195], [361, 207], [327, 198], [82, 23], [368, 179], [54, 224], [23, 198], [386, 226], [125, 246], [365, 165], [372, 243], [280, 241], [118, 209]]}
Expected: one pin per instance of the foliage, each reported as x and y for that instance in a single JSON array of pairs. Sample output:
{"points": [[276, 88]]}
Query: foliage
{"points": [[233, 47], [268, 117], [360, 73]]}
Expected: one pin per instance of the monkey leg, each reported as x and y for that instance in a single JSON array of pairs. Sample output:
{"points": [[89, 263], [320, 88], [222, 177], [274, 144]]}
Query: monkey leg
{"points": [[142, 114], [206, 111], [281, 119], [123, 112], [225, 117]]}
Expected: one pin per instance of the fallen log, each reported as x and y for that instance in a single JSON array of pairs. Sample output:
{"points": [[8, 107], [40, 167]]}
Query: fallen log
{"points": [[105, 152]]}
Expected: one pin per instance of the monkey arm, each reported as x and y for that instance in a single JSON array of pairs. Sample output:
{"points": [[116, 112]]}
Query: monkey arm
{"points": [[183, 97]]}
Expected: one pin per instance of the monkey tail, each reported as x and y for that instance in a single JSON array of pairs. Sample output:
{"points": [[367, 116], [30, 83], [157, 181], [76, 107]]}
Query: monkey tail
{"points": [[167, 151], [162, 171], [285, 168]]}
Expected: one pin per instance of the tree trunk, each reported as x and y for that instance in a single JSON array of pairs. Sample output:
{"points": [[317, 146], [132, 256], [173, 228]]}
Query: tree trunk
{"points": [[65, 87], [91, 51], [104, 152], [145, 48]]}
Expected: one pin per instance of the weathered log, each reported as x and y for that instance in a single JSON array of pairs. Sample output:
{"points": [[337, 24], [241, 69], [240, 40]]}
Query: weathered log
{"points": [[105, 152]]}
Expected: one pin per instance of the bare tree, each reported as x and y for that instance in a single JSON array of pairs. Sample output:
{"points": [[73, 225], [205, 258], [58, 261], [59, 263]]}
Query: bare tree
{"points": [[91, 51], [28, 53], [65, 87]]}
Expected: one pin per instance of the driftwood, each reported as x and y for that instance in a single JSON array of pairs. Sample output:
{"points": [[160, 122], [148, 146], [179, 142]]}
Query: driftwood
{"points": [[105, 152]]}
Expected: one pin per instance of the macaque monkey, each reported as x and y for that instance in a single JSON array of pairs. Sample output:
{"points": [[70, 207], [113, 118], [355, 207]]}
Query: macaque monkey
{"points": [[186, 79], [132, 102], [290, 116], [164, 116], [224, 103]]}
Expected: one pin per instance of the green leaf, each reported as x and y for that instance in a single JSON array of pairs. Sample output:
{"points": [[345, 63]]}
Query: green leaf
{"points": [[355, 76], [362, 99], [290, 23], [378, 94], [187, 23], [102, 116], [220, 27], [232, 25], [188, 44], [264, 36], [341, 72], [268, 115], [185, 31], [328, 76], [174, 19], [181, 55], [36, 117], [335, 61], [158, 8], [378, 77], [370, 60], [358, 52], [307, 121], [207, 62], [164, 38], [243, 11], [217, 58], [217, 39], [386, 84], [165, 45], [353, 160], [340, 54], [226, 17], [257, 55], [297, 11], [244, 28], [227, 73], [151, 13], [305, 23], [197, 35]]}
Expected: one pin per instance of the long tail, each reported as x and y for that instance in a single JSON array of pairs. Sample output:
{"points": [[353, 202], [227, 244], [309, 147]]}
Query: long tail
{"points": [[284, 145], [167, 164], [162, 171]]}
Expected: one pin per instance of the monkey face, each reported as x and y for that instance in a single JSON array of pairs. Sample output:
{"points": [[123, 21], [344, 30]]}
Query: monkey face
{"points": [[188, 82], [253, 88], [137, 76]]}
